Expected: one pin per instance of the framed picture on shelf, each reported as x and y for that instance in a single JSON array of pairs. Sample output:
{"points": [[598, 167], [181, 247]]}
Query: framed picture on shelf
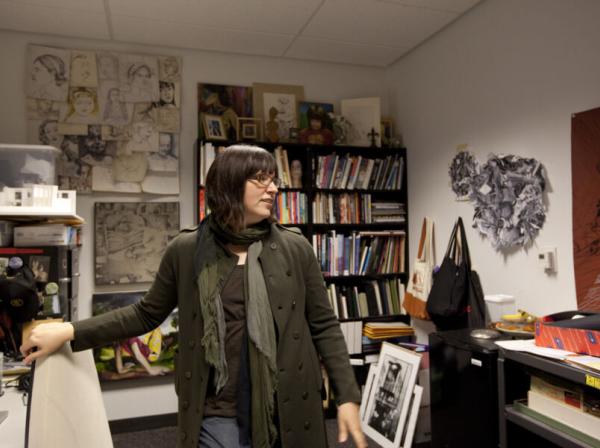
{"points": [[277, 105], [213, 127], [365, 116], [387, 131], [229, 102], [388, 402], [249, 128]]}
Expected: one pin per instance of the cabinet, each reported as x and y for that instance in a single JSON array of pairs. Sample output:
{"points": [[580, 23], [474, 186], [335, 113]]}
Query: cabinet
{"points": [[517, 429], [359, 234]]}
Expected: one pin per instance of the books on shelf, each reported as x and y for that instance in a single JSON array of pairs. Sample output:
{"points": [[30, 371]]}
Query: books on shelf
{"points": [[360, 253], [355, 208], [335, 171], [386, 330], [291, 208], [352, 332], [46, 235], [368, 299]]}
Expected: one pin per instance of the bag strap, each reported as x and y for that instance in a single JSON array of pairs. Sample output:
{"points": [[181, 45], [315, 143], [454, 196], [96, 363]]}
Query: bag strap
{"points": [[463, 243], [452, 244]]}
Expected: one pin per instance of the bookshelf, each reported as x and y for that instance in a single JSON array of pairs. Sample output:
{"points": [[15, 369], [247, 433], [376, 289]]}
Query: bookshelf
{"points": [[345, 213]]}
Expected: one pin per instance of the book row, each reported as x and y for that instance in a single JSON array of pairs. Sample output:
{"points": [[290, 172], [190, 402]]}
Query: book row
{"points": [[360, 253], [371, 298], [290, 207], [355, 208], [357, 172]]}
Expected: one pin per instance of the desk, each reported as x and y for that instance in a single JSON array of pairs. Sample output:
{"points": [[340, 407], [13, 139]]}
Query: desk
{"points": [[12, 430]]}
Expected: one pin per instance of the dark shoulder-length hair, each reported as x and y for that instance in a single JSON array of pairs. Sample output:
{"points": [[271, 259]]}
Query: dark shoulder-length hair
{"points": [[226, 181]]}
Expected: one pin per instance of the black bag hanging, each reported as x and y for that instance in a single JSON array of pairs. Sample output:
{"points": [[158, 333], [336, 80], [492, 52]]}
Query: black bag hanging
{"points": [[456, 297]]}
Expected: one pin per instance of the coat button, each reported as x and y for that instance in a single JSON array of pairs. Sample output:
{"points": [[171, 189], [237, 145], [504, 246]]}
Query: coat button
{"points": [[300, 365], [304, 395], [293, 304], [279, 307], [306, 424], [188, 374], [288, 273], [296, 335], [185, 404], [273, 246]]}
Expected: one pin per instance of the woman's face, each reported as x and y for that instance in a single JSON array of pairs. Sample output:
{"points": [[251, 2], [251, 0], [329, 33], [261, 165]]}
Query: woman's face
{"points": [[144, 131], [114, 95], [83, 104], [141, 77], [167, 93], [41, 74], [258, 201]]}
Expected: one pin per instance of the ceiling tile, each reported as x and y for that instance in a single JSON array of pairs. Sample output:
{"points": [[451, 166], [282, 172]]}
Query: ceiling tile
{"points": [[19, 16], [378, 23], [76, 5], [268, 16], [131, 29], [458, 6], [344, 52]]}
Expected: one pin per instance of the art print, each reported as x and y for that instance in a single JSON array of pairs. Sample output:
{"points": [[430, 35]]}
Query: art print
{"points": [[103, 179], [93, 150], [228, 102], [463, 169], [388, 404], [130, 239], [139, 78], [169, 68], [38, 109], [279, 115], [168, 120], [316, 125], [44, 132], [365, 116], [108, 65], [84, 72], [150, 354], [143, 137], [48, 73], [82, 106], [114, 110], [167, 157]]}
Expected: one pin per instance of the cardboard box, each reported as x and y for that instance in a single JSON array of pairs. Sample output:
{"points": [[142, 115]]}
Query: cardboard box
{"points": [[581, 335]]}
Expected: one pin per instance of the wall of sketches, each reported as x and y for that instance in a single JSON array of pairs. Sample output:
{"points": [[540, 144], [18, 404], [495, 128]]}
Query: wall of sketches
{"points": [[322, 82], [514, 97]]}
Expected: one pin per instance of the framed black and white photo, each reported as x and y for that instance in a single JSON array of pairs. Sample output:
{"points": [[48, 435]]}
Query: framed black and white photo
{"points": [[388, 401], [409, 428], [130, 239], [213, 127]]}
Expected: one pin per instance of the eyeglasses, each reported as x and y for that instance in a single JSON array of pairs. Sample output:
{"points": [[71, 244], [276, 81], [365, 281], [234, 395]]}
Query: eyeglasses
{"points": [[264, 180]]}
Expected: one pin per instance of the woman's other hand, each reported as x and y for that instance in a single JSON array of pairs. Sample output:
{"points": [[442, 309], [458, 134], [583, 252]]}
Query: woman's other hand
{"points": [[46, 339], [349, 422]]}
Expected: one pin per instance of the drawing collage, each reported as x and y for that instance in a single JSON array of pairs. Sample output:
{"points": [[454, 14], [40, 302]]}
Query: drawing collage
{"points": [[115, 117]]}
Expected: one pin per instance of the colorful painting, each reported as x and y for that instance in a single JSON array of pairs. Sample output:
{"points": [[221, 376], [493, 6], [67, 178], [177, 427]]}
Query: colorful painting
{"points": [[316, 125], [150, 354], [228, 102]]}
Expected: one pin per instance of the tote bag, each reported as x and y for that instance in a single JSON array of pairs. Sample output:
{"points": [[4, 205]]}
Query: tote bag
{"points": [[419, 282], [456, 297]]}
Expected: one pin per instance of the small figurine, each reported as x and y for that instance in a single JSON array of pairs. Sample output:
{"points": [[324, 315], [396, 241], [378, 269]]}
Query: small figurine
{"points": [[296, 173], [271, 126]]}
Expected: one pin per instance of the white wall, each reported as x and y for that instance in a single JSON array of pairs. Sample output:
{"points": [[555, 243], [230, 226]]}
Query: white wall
{"points": [[322, 82], [505, 78]]}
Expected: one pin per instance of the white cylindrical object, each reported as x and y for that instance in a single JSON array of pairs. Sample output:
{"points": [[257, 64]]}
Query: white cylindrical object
{"points": [[499, 304]]}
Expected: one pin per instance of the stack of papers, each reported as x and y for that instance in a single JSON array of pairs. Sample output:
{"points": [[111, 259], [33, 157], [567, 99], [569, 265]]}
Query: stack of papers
{"points": [[383, 330]]}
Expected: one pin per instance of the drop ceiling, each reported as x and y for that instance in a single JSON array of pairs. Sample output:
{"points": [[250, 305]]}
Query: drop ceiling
{"points": [[364, 32]]}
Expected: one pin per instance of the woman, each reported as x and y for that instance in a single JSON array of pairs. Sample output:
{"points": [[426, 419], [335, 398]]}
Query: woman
{"points": [[254, 313], [49, 78]]}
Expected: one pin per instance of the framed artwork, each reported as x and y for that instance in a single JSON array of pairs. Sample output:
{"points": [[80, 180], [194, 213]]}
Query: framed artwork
{"points": [[130, 239], [228, 102], [367, 390], [150, 354], [214, 128], [386, 131], [388, 401], [409, 429], [277, 105], [365, 116], [316, 125], [249, 128]]}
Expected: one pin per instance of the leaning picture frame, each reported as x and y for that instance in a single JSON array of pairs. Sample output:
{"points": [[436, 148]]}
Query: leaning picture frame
{"points": [[213, 127], [409, 428], [249, 128], [365, 116], [277, 105], [388, 402], [367, 389]]}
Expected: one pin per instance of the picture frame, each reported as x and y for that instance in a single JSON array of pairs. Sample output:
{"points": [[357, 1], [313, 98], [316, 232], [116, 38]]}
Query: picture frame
{"points": [[230, 102], [409, 429], [388, 402], [213, 127], [386, 131], [277, 105], [367, 389], [365, 116], [249, 128]]}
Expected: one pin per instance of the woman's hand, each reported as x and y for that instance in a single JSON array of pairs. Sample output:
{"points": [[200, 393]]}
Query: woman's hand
{"points": [[46, 338], [349, 421]]}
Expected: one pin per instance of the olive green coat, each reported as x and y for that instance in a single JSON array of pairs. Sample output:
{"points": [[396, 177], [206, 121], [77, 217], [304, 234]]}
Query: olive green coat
{"points": [[304, 322]]}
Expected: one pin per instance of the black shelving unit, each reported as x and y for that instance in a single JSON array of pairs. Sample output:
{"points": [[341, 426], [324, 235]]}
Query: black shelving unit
{"points": [[517, 429]]}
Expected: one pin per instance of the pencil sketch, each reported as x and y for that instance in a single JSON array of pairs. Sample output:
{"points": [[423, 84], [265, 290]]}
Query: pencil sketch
{"points": [[72, 129], [44, 132], [168, 120], [130, 239], [38, 109], [108, 66], [103, 180], [169, 94], [83, 69], [285, 107], [115, 133], [169, 68], [114, 111], [463, 169], [145, 112], [95, 151], [48, 73], [82, 107], [166, 159], [73, 174], [129, 167], [143, 137], [139, 78]]}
